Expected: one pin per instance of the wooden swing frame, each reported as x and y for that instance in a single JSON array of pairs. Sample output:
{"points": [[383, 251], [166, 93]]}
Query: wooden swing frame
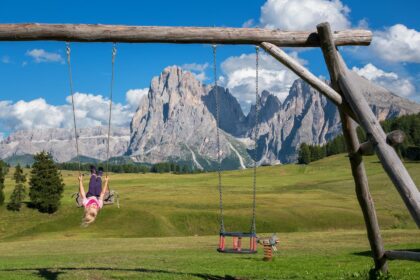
{"points": [[345, 92]]}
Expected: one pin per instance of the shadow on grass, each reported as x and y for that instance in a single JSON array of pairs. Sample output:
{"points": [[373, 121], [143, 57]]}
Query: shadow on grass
{"points": [[53, 273], [369, 253], [363, 254]]}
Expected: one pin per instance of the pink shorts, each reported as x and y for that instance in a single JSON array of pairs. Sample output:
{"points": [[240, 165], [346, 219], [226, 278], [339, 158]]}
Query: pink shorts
{"points": [[90, 200]]}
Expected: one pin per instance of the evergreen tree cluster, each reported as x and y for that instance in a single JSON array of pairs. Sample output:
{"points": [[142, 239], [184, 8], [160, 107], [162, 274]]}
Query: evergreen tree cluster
{"points": [[162, 167], [410, 124], [167, 167], [3, 171], [46, 184], [115, 168], [19, 192], [309, 153], [409, 149]]}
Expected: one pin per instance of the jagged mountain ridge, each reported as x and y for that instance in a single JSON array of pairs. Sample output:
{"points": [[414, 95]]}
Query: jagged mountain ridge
{"points": [[177, 122], [60, 143]]}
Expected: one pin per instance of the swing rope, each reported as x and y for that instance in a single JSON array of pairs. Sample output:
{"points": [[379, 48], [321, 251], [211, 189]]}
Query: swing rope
{"points": [[68, 51], [219, 164], [256, 132], [114, 52]]}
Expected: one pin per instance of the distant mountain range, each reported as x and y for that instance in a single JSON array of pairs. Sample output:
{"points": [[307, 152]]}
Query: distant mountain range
{"points": [[176, 122]]}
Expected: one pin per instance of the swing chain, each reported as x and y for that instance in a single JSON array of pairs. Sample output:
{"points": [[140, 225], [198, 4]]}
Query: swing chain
{"points": [[219, 165], [256, 132], [68, 52], [114, 53]]}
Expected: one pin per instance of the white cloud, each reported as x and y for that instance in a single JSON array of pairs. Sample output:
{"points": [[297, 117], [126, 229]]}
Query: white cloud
{"points": [[40, 55], [239, 74], [397, 44], [5, 59], [91, 110], [2, 136], [198, 70], [304, 14], [249, 23], [389, 80], [195, 66], [33, 114], [135, 96]]}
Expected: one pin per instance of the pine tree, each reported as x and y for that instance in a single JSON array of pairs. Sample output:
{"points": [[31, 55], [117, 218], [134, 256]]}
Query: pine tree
{"points": [[304, 154], [19, 193], [46, 184], [3, 172]]}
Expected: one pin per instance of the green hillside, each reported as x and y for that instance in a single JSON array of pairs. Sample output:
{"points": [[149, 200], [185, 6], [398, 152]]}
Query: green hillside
{"points": [[158, 231], [291, 198]]}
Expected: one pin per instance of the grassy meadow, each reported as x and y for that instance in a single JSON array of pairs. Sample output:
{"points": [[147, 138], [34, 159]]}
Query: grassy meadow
{"points": [[167, 225]]}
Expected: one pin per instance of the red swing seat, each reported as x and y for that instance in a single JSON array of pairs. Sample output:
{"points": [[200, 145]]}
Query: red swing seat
{"points": [[237, 243]]}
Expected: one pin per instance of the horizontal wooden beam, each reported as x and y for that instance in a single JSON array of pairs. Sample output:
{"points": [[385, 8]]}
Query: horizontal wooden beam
{"points": [[403, 255], [177, 35]]}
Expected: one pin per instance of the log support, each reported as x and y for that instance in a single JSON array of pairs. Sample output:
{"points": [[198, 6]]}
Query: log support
{"points": [[403, 255], [306, 75], [386, 154], [393, 139], [356, 162]]}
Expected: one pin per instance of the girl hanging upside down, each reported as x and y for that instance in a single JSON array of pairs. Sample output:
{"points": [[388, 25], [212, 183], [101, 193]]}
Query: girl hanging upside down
{"points": [[93, 201]]}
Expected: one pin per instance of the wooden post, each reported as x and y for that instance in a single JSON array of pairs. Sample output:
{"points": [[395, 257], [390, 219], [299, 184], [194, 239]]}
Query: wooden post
{"points": [[352, 142], [387, 155], [172, 34]]}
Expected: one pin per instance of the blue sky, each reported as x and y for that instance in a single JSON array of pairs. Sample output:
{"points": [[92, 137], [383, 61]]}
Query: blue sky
{"points": [[34, 70]]}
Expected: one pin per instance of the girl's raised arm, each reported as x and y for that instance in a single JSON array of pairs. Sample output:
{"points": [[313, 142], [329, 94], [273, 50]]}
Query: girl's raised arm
{"points": [[104, 188], [81, 188]]}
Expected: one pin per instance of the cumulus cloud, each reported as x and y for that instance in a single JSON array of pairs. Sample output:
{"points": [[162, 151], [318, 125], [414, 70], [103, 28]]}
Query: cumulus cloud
{"points": [[304, 14], [40, 55], [198, 70], [135, 96], [397, 44], [239, 72], [389, 80], [33, 114], [91, 110]]}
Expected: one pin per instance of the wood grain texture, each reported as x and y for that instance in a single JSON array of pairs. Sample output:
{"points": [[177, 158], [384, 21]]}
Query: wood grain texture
{"points": [[387, 155], [177, 35], [335, 66]]}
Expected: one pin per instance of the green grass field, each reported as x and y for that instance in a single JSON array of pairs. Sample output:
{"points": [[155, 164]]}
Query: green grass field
{"points": [[167, 224]]}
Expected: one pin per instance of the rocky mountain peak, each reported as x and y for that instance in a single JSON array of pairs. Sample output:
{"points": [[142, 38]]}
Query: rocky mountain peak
{"points": [[177, 123], [174, 80]]}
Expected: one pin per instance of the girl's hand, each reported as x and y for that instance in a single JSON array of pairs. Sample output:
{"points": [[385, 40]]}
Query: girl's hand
{"points": [[80, 177], [106, 179]]}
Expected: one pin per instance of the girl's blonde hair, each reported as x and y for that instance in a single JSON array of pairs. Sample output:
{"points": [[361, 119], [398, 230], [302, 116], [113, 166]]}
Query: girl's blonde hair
{"points": [[89, 216]]}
